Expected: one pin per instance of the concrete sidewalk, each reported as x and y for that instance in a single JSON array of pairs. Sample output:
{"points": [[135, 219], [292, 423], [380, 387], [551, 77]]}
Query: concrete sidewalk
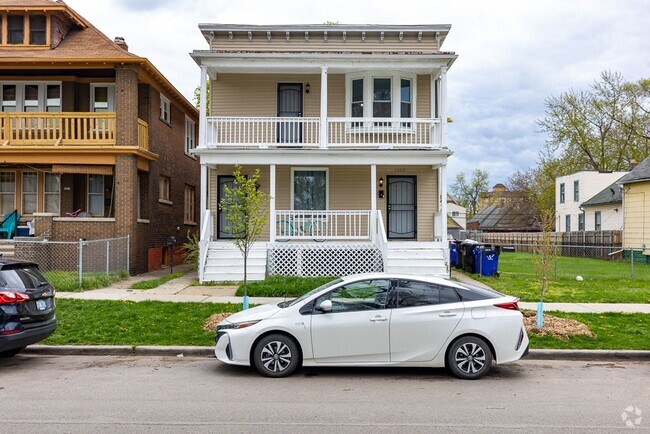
{"points": [[184, 289]]}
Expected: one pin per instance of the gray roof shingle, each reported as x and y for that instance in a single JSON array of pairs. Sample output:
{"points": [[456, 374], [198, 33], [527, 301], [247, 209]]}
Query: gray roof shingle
{"points": [[639, 173]]}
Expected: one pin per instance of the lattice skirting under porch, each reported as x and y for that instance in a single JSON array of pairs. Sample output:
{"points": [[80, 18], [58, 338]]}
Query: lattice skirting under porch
{"points": [[323, 259]]}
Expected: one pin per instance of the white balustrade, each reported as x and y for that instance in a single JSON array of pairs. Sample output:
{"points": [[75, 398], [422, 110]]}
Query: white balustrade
{"points": [[384, 132], [266, 132], [322, 225]]}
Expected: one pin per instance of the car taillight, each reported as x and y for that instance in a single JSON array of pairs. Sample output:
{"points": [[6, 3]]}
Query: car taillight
{"points": [[520, 340], [511, 305], [8, 297]]}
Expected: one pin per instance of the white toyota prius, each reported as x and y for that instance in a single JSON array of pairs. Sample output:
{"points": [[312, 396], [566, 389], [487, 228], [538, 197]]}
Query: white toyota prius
{"points": [[378, 319]]}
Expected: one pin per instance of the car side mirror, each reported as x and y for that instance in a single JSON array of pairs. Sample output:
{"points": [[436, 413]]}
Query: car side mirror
{"points": [[325, 306]]}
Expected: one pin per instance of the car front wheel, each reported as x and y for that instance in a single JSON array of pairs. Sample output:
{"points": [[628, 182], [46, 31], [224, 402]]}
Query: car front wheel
{"points": [[276, 355], [469, 358]]}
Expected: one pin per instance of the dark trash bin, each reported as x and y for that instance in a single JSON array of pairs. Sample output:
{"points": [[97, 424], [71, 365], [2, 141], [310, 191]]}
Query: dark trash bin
{"points": [[466, 255], [486, 261], [459, 246]]}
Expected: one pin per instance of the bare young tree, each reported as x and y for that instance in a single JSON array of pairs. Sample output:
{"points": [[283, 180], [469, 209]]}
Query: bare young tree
{"points": [[545, 253]]}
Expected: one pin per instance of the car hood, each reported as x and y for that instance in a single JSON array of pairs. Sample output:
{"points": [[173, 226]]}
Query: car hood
{"points": [[253, 314]]}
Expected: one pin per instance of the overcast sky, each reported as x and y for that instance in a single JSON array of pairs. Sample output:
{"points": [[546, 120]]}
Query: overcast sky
{"points": [[512, 54]]}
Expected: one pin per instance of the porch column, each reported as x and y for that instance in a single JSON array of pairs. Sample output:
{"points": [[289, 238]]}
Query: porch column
{"points": [[323, 107], [442, 206], [203, 193], [373, 201], [272, 203], [203, 111], [443, 107]]}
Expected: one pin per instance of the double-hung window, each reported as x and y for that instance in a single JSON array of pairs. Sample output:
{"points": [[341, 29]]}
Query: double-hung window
{"points": [[190, 135], [576, 191], [309, 189], [165, 109], [188, 215], [381, 99], [357, 100], [597, 221], [37, 29], [16, 29], [96, 195], [567, 226], [581, 221], [562, 193], [7, 192], [31, 97], [164, 189], [52, 192], [29, 192]]}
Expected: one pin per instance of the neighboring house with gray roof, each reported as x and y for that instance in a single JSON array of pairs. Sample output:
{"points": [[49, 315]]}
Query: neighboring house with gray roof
{"points": [[604, 210], [636, 207]]}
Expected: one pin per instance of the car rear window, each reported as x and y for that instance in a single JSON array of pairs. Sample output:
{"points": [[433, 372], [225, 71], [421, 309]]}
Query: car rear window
{"points": [[472, 293], [21, 277]]}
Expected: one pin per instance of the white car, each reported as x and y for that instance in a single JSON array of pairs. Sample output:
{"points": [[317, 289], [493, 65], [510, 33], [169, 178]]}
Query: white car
{"points": [[378, 320]]}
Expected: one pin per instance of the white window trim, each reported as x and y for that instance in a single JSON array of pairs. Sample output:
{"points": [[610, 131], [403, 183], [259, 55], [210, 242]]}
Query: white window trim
{"points": [[188, 147], [22, 191], [45, 192], [165, 116], [396, 91], [111, 95], [20, 94], [88, 193], [327, 183], [15, 186]]}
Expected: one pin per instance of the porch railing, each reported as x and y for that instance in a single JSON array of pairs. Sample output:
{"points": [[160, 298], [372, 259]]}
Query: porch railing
{"points": [[383, 132], [304, 132], [47, 129], [380, 236], [143, 135], [322, 225], [207, 231], [265, 132]]}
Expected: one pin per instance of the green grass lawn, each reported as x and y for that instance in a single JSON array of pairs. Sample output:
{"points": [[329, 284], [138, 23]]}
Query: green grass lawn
{"points": [[154, 283], [103, 322], [283, 286], [604, 281], [68, 281], [614, 331]]}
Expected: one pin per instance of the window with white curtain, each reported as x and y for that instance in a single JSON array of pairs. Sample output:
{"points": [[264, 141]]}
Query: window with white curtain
{"points": [[52, 193], [29, 192]]}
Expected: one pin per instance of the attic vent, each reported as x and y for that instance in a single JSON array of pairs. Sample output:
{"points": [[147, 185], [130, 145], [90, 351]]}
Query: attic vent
{"points": [[120, 42]]}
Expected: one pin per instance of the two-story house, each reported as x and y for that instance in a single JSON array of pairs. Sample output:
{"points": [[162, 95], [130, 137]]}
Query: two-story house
{"points": [[347, 124], [571, 191], [95, 142]]}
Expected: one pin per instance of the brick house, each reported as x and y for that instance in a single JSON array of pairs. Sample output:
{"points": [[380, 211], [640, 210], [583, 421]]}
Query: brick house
{"points": [[89, 128]]}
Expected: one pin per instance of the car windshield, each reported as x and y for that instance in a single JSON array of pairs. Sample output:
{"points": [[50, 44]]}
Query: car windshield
{"points": [[312, 292], [23, 277]]}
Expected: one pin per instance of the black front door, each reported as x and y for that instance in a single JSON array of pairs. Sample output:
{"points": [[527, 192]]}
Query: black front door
{"points": [[222, 222], [402, 207], [289, 106]]}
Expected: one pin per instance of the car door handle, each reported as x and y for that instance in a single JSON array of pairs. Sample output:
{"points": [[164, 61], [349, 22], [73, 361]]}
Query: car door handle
{"points": [[447, 314], [378, 319]]}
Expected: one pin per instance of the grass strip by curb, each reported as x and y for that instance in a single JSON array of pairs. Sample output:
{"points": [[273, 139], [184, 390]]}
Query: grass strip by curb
{"points": [[154, 283]]}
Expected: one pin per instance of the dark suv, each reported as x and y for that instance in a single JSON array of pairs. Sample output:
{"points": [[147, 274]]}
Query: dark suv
{"points": [[26, 306]]}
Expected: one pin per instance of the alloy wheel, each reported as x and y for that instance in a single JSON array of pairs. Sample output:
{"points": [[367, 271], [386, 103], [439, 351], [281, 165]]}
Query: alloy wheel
{"points": [[276, 356], [470, 358]]}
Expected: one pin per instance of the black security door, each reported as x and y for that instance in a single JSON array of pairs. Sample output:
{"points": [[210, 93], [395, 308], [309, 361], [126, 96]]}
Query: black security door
{"points": [[289, 106], [222, 222], [402, 207]]}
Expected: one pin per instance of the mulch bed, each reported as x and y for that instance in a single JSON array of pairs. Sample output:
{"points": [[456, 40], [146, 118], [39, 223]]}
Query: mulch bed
{"points": [[210, 324], [561, 328]]}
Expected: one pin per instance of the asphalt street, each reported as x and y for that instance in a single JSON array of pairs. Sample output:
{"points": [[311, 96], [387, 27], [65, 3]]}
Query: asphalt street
{"points": [[74, 394]]}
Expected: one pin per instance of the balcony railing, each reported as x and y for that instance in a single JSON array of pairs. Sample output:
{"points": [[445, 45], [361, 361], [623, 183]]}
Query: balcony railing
{"points": [[304, 132], [322, 225], [63, 129]]}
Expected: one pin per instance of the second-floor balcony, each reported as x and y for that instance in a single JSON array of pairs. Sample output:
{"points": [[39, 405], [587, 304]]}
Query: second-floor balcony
{"points": [[312, 132], [72, 129]]}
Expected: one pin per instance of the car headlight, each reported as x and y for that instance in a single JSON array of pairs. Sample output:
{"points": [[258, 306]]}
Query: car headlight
{"points": [[238, 325]]}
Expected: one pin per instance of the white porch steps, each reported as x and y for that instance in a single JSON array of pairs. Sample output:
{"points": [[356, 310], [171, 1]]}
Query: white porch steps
{"points": [[423, 259], [226, 264], [7, 249]]}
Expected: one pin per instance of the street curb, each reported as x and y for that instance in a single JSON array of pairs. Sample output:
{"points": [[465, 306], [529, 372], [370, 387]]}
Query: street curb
{"points": [[190, 351]]}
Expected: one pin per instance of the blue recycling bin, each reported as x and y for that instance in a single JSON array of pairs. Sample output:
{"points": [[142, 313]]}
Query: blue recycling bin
{"points": [[486, 261], [453, 254]]}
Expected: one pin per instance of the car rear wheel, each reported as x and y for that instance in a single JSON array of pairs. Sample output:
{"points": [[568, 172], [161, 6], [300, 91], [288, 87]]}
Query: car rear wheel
{"points": [[276, 355], [10, 353], [469, 358]]}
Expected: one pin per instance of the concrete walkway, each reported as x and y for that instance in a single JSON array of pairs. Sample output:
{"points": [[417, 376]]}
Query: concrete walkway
{"points": [[182, 290]]}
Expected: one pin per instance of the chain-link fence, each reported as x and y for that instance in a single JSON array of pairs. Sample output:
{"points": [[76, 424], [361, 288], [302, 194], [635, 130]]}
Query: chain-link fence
{"points": [[74, 265]]}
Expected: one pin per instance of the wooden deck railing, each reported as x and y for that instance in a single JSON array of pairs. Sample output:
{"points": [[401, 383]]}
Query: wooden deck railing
{"points": [[64, 129]]}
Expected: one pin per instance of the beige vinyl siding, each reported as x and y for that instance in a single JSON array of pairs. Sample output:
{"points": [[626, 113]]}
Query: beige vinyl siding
{"points": [[334, 43], [349, 189], [636, 226], [256, 94]]}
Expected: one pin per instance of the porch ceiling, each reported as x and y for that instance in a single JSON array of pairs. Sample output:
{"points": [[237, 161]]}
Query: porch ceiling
{"points": [[324, 157]]}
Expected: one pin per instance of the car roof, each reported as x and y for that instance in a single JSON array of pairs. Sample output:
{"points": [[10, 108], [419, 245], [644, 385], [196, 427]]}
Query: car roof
{"points": [[12, 261], [431, 279]]}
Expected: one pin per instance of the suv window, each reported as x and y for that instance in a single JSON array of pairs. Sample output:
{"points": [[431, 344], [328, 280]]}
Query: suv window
{"points": [[23, 277], [358, 296], [411, 293]]}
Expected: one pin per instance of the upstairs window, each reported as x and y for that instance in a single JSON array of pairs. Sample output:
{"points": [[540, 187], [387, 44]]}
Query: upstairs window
{"points": [[31, 97], [380, 95], [37, 28], [102, 97], [16, 29], [381, 98], [562, 193], [165, 110], [576, 191], [190, 135]]}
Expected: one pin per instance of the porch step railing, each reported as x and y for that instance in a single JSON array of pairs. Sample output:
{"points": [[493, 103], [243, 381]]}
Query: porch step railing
{"points": [[322, 225]]}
